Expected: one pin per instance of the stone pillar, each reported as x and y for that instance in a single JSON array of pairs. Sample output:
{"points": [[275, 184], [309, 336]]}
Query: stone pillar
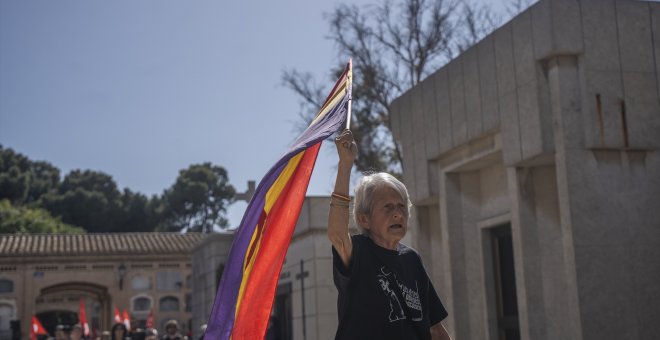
{"points": [[538, 245], [564, 80], [461, 256]]}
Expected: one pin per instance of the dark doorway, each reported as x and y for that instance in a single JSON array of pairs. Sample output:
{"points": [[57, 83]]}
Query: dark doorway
{"points": [[60, 300], [52, 318], [218, 275], [280, 325], [505, 283]]}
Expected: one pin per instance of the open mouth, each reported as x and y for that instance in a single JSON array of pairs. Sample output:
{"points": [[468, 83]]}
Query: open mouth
{"points": [[396, 226]]}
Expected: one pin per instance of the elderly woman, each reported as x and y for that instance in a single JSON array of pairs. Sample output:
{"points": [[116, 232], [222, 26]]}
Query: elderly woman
{"points": [[384, 290]]}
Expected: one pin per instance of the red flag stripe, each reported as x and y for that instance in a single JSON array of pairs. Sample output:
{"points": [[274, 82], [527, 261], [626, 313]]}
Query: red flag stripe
{"points": [[252, 323]]}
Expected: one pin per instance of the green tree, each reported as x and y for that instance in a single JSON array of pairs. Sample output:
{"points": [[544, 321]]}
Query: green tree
{"points": [[23, 181], [198, 199], [92, 200], [86, 198], [394, 46], [138, 212], [24, 220], [44, 177]]}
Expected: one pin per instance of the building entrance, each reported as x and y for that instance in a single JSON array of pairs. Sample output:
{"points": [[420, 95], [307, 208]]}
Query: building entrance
{"points": [[60, 305], [505, 283]]}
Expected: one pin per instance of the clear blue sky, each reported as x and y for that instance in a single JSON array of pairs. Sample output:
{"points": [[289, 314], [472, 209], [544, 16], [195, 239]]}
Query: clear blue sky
{"points": [[142, 89]]}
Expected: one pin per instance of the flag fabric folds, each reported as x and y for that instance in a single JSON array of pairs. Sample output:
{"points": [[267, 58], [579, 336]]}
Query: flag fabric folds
{"points": [[117, 316], [127, 321], [244, 298], [36, 328], [82, 317]]}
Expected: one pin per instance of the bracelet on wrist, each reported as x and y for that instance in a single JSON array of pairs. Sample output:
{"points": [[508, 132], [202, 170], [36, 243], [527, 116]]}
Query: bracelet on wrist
{"points": [[341, 197]]}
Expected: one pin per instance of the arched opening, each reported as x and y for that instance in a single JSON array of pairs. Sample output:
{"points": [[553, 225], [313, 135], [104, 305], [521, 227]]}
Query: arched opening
{"points": [[59, 304], [140, 304]]}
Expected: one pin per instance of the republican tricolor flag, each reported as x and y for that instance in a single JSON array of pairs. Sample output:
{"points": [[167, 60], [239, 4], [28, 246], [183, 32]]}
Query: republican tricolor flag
{"points": [[245, 296]]}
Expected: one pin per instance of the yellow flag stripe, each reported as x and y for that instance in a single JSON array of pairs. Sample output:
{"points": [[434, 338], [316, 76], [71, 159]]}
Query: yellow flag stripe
{"points": [[271, 197], [336, 97]]}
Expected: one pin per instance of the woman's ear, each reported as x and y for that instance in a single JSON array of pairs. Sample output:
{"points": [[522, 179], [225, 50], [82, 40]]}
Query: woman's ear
{"points": [[363, 221]]}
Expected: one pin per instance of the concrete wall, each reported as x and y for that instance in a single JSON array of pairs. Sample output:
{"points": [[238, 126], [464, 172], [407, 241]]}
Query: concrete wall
{"points": [[551, 124], [311, 245]]}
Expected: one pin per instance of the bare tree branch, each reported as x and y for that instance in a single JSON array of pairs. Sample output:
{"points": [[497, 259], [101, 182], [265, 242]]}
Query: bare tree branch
{"points": [[394, 44]]}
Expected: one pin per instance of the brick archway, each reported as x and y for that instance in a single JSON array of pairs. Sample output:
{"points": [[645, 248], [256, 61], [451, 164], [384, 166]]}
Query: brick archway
{"points": [[61, 299]]}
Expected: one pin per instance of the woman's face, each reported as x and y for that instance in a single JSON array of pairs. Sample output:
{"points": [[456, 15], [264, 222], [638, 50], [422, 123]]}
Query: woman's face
{"points": [[388, 222]]}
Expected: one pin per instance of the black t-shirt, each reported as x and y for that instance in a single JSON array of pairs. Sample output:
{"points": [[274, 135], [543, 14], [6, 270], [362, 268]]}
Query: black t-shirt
{"points": [[384, 294]]}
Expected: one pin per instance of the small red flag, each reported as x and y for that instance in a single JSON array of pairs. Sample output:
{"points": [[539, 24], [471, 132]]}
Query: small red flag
{"points": [[150, 320], [82, 317], [36, 329], [117, 315], [127, 321]]}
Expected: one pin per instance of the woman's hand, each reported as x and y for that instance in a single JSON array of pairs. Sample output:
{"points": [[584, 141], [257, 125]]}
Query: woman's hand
{"points": [[346, 148]]}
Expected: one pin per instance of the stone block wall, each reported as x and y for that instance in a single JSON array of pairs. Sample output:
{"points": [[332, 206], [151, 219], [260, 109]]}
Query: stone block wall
{"points": [[562, 102]]}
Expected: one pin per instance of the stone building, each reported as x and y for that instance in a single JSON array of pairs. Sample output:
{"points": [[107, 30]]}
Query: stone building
{"points": [[46, 275], [175, 275], [305, 305], [533, 161]]}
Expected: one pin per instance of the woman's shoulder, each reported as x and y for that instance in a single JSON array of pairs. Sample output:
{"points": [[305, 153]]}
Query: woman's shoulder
{"points": [[409, 253], [406, 250], [360, 242]]}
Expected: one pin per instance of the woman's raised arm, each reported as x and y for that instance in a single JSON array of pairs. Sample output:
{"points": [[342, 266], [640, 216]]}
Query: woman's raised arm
{"points": [[338, 218]]}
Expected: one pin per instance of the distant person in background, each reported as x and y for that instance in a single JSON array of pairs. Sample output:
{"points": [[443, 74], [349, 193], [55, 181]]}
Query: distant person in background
{"points": [[60, 333], [137, 334], [172, 331], [76, 332], [151, 334], [118, 332]]}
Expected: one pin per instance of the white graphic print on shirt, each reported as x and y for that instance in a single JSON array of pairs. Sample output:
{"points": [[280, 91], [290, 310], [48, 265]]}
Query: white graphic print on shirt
{"points": [[411, 297]]}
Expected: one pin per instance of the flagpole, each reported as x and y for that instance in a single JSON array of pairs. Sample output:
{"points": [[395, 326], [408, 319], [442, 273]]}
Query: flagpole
{"points": [[243, 301], [349, 89]]}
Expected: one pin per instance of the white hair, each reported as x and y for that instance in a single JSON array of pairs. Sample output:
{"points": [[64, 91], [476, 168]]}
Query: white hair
{"points": [[364, 193]]}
